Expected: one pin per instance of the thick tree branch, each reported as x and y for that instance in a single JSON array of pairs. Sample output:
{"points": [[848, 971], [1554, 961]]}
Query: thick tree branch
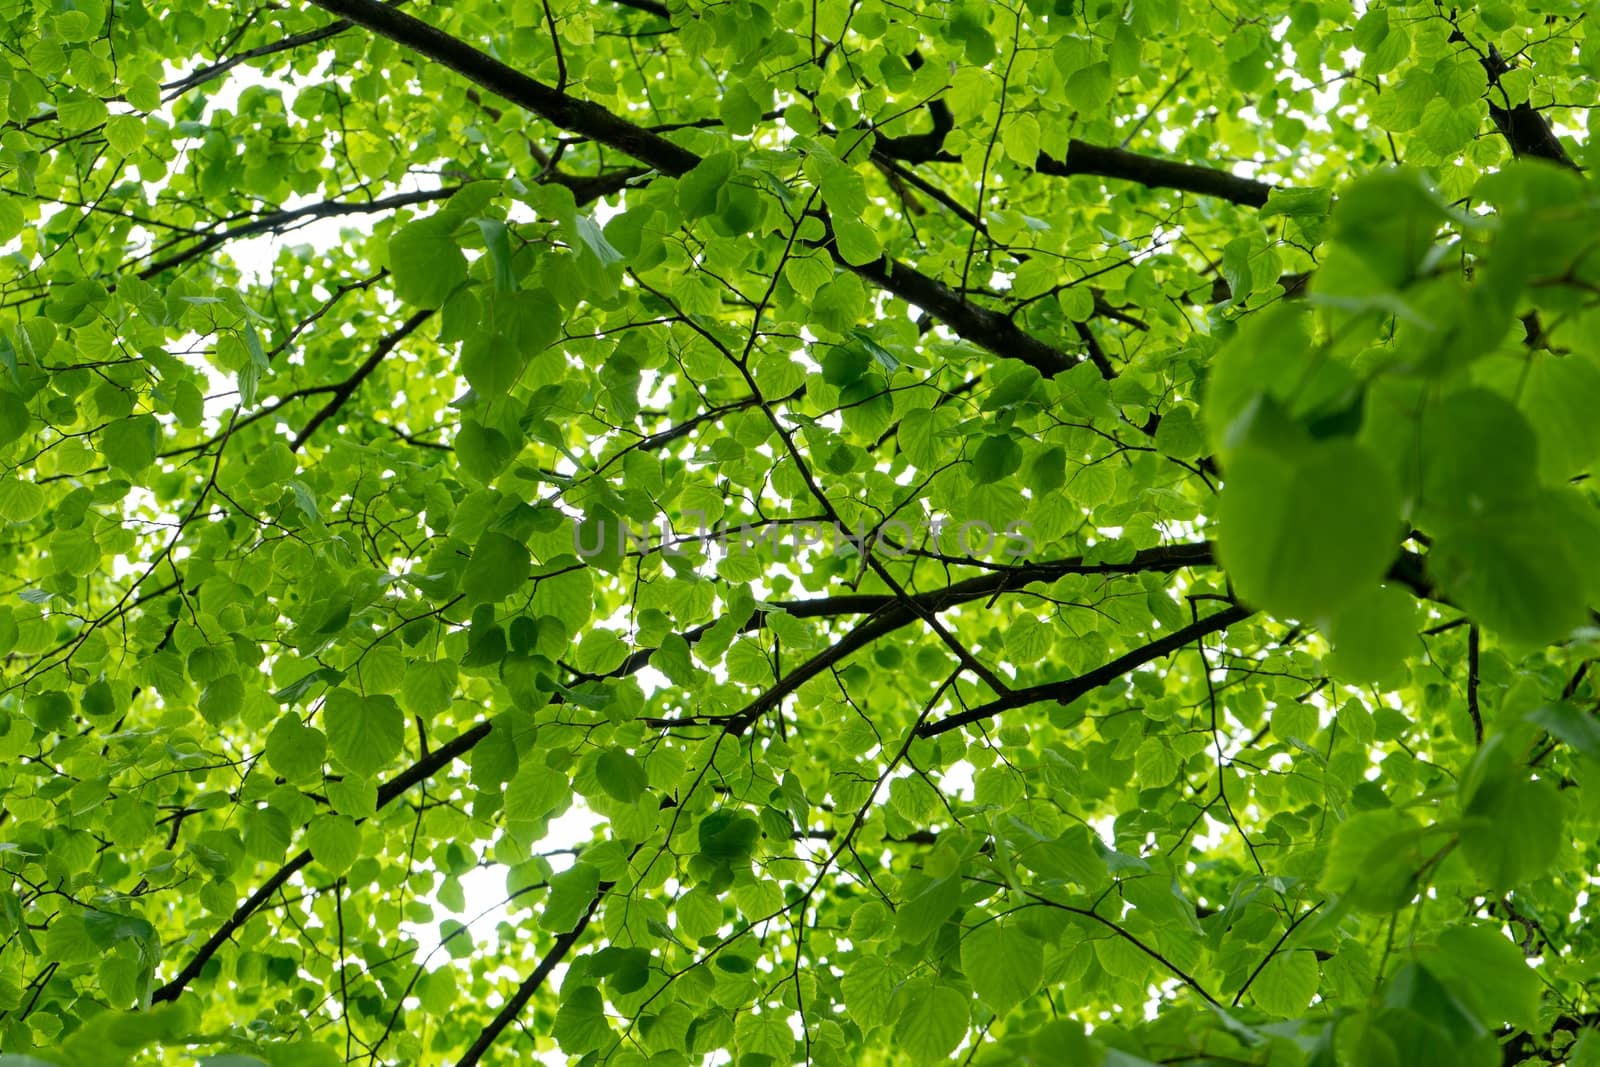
{"points": [[648, 6], [886, 613], [530, 985], [1073, 688], [425, 767], [569, 113], [890, 613], [346, 388], [212, 71], [987, 329], [247, 907], [1527, 131], [992, 330], [585, 189], [1089, 159], [276, 221], [1084, 158]]}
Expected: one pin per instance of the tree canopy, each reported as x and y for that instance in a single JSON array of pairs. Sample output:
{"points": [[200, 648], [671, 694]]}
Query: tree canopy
{"points": [[1054, 532]]}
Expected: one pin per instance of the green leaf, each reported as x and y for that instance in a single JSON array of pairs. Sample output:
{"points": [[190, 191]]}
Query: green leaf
{"points": [[490, 364], [1375, 859], [1286, 983], [483, 450], [1490, 974], [130, 444], [1514, 830], [534, 793], [365, 734], [1020, 139], [919, 437], [621, 775], [928, 909], [124, 133], [1156, 763], [1461, 79], [296, 691], [727, 835], [699, 913], [426, 261], [1374, 634], [19, 500], [1517, 571], [857, 242], [335, 841], [1307, 202], [1005, 965], [14, 417], [429, 687], [1559, 393], [497, 239], [766, 1034], [222, 700], [1478, 453], [1179, 435], [697, 190], [1568, 724], [580, 1026], [1446, 129], [571, 894], [594, 240], [295, 750], [838, 306], [1389, 219], [1089, 89], [498, 568], [739, 108], [930, 1020], [869, 989], [997, 457], [1307, 535]]}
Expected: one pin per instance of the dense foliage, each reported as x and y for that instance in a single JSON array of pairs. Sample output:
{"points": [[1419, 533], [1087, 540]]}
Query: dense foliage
{"points": [[1039, 534]]}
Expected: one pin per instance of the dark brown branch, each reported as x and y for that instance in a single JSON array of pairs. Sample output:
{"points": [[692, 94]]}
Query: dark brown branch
{"points": [[1472, 685], [278, 220], [585, 189], [346, 388], [648, 6], [1294, 285], [1073, 688], [1526, 130], [987, 329], [248, 907], [530, 985], [889, 613], [1118, 163], [216, 70], [387, 792], [1097, 355], [923, 147], [569, 113], [1089, 159]]}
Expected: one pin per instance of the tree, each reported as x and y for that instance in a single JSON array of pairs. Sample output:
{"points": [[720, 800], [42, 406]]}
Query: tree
{"points": [[1053, 534]]}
